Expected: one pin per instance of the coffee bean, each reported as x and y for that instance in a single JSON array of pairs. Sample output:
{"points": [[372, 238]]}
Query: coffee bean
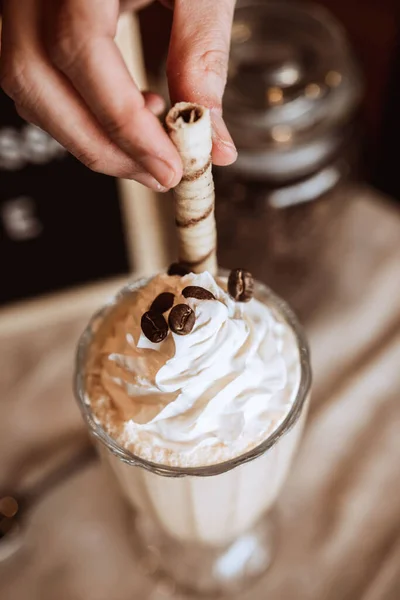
{"points": [[178, 269], [154, 326], [181, 319], [195, 291], [163, 302], [241, 285]]}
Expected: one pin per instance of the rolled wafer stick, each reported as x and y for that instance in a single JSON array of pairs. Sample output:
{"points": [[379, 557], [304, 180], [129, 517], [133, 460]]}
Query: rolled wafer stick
{"points": [[189, 127]]}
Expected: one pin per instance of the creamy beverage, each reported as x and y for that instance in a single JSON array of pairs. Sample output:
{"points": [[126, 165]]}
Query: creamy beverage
{"points": [[201, 390], [196, 389]]}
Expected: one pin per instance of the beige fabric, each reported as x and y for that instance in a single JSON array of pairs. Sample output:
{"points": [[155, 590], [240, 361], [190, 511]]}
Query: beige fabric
{"points": [[339, 513]]}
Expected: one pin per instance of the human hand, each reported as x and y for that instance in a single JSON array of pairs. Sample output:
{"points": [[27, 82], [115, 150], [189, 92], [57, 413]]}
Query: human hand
{"points": [[61, 66]]}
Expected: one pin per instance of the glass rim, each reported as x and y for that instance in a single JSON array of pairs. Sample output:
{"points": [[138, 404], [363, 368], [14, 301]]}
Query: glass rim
{"points": [[316, 13], [132, 459]]}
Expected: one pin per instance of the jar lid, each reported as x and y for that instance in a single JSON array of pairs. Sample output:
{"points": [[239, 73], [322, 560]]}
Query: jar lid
{"points": [[292, 75]]}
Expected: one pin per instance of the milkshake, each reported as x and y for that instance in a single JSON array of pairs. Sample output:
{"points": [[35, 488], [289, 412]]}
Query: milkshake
{"points": [[197, 395]]}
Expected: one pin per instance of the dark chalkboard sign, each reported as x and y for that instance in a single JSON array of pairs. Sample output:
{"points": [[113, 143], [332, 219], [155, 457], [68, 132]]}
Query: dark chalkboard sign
{"points": [[60, 223]]}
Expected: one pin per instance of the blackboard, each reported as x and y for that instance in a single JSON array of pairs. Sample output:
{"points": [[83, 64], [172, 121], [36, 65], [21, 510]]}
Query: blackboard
{"points": [[60, 223]]}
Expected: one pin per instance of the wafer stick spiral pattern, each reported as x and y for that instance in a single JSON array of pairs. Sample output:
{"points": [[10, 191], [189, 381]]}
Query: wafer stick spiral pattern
{"points": [[189, 126]]}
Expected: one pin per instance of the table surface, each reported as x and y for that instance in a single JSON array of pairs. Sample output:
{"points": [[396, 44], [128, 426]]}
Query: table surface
{"points": [[339, 513]]}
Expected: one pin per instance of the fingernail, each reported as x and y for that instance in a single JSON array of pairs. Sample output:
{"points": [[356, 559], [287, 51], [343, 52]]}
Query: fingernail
{"points": [[162, 172], [149, 182], [221, 134], [154, 102]]}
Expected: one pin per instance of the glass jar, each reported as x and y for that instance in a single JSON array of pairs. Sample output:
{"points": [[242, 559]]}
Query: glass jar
{"points": [[291, 106]]}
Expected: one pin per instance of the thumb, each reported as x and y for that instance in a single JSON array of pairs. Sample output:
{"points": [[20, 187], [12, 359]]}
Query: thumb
{"points": [[198, 63]]}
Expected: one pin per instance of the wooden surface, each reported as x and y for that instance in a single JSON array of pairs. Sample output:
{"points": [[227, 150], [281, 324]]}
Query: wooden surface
{"points": [[339, 514]]}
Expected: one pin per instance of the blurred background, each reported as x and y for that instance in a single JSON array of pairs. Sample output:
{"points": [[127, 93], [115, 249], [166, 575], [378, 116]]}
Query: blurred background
{"points": [[312, 208], [283, 88]]}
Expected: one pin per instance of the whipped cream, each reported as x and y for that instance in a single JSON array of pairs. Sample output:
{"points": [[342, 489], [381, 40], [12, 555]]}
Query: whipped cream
{"points": [[196, 399]]}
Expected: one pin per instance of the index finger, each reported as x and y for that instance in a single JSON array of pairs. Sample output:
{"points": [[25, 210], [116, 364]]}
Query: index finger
{"points": [[81, 45]]}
